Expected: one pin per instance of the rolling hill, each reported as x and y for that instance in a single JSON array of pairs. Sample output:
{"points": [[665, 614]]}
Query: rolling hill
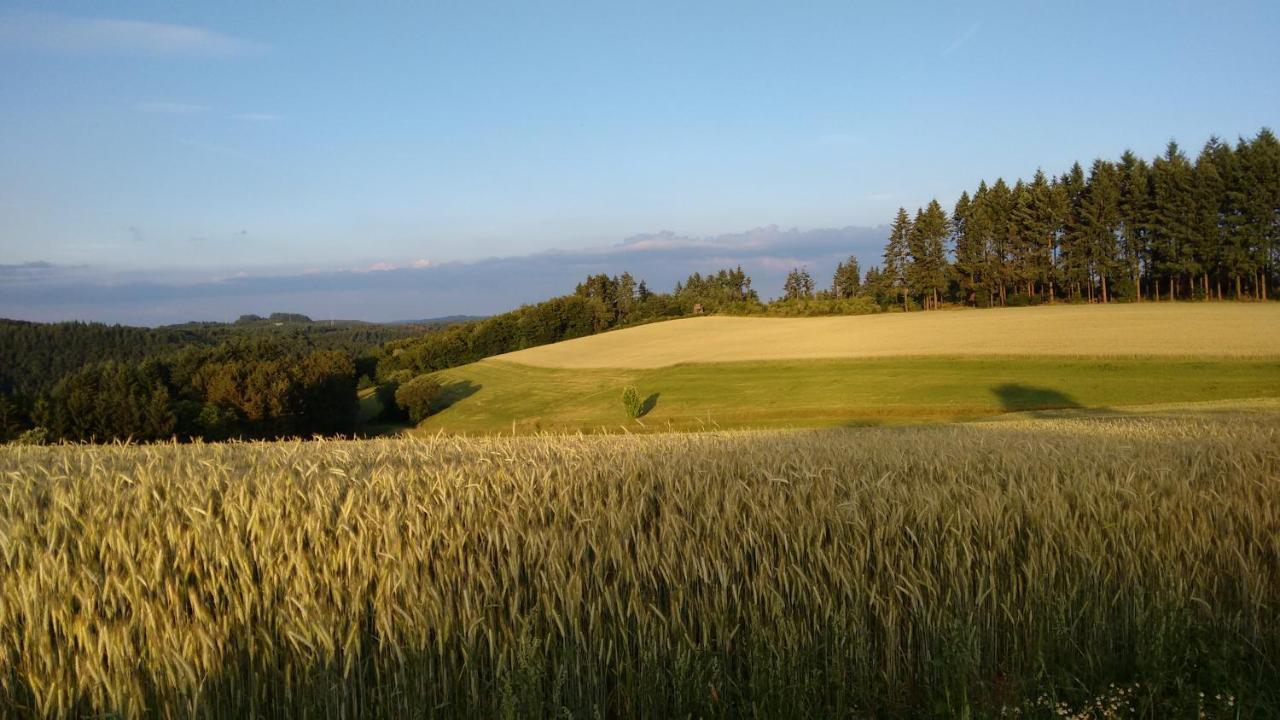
{"points": [[1148, 329], [721, 372]]}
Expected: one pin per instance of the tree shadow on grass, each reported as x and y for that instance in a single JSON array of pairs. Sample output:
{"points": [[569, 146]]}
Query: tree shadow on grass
{"points": [[454, 392], [648, 405], [1015, 397]]}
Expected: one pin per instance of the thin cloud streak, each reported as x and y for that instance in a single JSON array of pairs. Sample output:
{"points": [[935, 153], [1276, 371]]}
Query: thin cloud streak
{"points": [[65, 33], [965, 37]]}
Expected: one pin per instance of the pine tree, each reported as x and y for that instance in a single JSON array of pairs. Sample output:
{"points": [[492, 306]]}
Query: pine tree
{"points": [[1260, 175], [896, 257], [1173, 216], [1074, 240], [967, 245], [1210, 229], [1100, 222], [847, 280], [798, 286], [926, 244], [1135, 209], [998, 213]]}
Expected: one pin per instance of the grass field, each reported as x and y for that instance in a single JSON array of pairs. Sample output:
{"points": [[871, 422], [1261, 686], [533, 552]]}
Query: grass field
{"points": [[733, 372], [1096, 565], [495, 396], [1140, 329]]}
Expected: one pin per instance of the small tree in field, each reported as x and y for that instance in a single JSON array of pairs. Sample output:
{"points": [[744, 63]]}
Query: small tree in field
{"points": [[631, 401], [417, 396]]}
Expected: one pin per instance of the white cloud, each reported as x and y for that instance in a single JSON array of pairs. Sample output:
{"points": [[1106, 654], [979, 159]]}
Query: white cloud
{"points": [[965, 37], [112, 36]]}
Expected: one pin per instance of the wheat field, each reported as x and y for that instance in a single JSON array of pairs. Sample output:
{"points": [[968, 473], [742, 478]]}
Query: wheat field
{"points": [[1021, 568], [1136, 329]]}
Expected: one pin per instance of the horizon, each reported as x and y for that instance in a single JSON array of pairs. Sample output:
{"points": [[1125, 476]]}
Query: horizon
{"points": [[166, 164]]}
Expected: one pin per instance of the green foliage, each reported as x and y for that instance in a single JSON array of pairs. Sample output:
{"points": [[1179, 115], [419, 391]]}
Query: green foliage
{"points": [[243, 388], [631, 401], [715, 293], [814, 307], [798, 286], [386, 395], [847, 280], [110, 401], [418, 396], [598, 304], [893, 274], [32, 436], [1127, 230]]}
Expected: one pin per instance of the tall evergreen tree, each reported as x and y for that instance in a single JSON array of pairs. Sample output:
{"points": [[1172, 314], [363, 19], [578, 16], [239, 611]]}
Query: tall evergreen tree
{"points": [[1073, 238], [967, 246], [997, 211], [897, 257], [1173, 217], [847, 280], [927, 247], [1100, 223], [798, 286], [1135, 208]]}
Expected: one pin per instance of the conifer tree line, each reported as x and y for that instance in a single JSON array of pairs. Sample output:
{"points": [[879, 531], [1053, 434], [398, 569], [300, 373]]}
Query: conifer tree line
{"points": [[1131, 229]]}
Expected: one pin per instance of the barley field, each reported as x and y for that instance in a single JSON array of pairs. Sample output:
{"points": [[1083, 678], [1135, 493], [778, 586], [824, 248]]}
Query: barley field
{"points": [[1096, 565], [1204, 330]]}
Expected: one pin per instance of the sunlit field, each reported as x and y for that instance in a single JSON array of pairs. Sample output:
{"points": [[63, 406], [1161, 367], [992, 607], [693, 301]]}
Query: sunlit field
{"points": [[1032, 567], [1138, 329], [505, 397]]}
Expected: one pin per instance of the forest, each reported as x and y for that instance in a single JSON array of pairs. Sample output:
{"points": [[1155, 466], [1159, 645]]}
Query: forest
{"points": [[1169, 228], [95, 382]]}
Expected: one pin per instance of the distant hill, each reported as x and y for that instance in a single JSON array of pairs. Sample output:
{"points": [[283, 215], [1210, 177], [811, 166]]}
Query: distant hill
{"points": [[34, 356], [1145, 329], [446, 320]]}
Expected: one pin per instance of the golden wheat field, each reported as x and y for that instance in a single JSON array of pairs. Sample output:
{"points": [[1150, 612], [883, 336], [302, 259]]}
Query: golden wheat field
{"points": [[1138, 329], [1123, 563]]}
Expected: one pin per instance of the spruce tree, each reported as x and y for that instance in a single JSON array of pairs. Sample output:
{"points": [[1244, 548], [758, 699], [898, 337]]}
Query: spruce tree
{"points": [[896, 256], [1173, 216], [1100, 222], [847, 280], [1135, 208], [967, 245]]}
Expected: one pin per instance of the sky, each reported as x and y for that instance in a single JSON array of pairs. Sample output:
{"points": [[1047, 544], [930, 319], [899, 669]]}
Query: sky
{"points": [[166, 161]]}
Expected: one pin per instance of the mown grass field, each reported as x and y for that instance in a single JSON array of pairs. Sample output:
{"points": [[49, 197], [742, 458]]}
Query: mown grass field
{"points": [[495, 396], [735, 372], [1124, 330], [1101, 563]]}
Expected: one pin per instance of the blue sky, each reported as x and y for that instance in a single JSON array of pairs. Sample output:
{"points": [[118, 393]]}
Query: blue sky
{"points": [[187, 143]]}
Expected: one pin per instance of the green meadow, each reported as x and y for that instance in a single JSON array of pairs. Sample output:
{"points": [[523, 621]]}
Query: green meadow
{"points": [[494, 396]]}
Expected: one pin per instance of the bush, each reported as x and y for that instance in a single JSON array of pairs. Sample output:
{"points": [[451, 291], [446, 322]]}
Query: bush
{"points": [[391, 411], [811, 307], [33, 436], [631, 401], [417, 396]]}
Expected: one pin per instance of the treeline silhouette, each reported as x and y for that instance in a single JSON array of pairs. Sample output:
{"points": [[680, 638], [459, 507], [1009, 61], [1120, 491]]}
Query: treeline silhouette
{"points": [[598, 304], [1170, 228]]}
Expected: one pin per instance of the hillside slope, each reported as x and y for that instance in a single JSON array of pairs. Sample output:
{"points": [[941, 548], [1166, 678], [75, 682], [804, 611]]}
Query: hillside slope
{"points": [[1206, 330]]}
